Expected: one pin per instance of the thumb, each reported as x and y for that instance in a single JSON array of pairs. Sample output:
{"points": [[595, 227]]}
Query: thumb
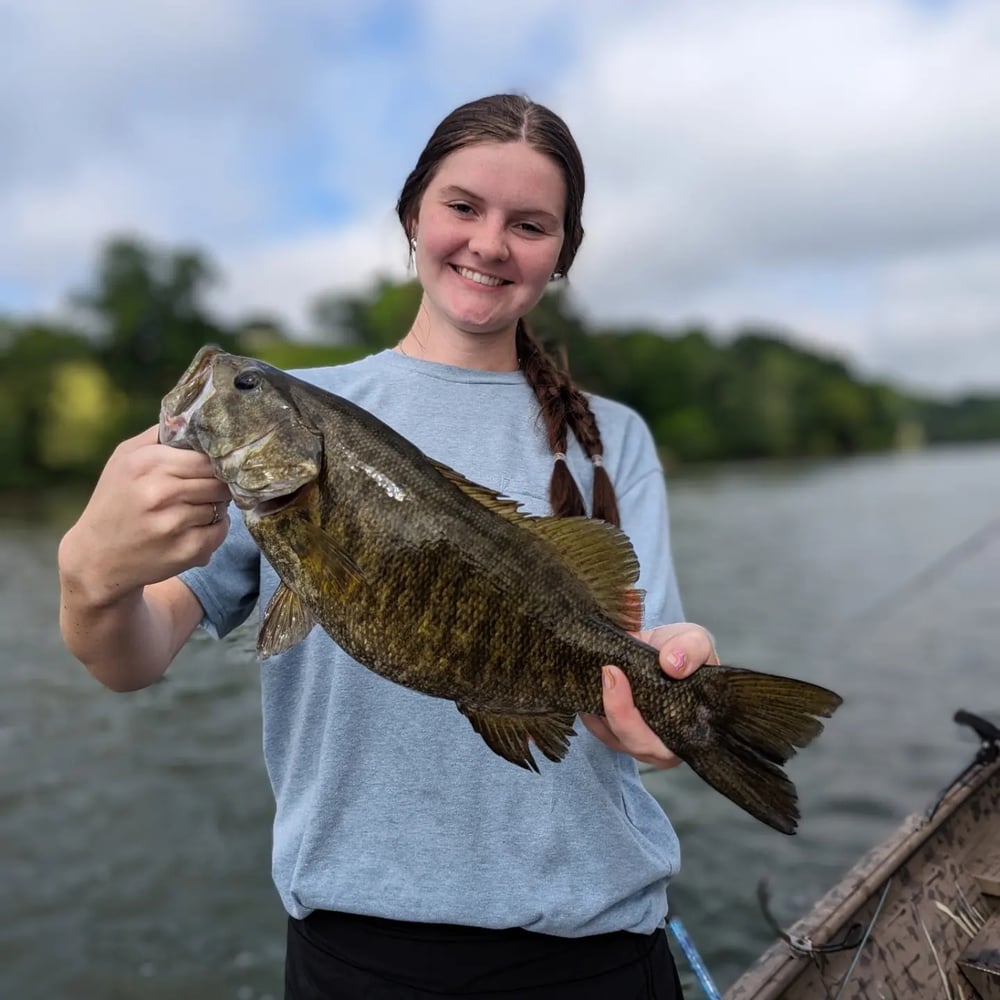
{"points": [[151, 435]]}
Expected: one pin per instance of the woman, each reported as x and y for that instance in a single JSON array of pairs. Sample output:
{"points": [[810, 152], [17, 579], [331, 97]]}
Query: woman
{"points": [[413, 861]]}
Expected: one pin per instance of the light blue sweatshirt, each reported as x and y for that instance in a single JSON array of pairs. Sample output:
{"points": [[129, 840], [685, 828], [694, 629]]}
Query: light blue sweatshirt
{"points": [[388, 803]]}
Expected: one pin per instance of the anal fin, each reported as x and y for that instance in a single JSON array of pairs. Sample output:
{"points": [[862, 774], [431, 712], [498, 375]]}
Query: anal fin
{"points": [[508, 735]]}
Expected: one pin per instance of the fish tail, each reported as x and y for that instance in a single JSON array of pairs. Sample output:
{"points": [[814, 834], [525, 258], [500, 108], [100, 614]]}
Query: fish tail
{"points": [[743, 727]]}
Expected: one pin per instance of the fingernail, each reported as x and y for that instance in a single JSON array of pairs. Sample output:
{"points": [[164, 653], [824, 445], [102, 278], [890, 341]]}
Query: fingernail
{"points": [[678, 658], [609, 678]]}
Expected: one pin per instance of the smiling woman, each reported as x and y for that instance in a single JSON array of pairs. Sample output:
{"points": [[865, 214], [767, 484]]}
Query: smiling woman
{"points": [[487, 237], [411, 859]]}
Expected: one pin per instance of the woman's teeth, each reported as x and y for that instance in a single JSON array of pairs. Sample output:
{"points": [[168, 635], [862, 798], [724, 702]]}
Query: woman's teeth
{"points": [[481, 279]]}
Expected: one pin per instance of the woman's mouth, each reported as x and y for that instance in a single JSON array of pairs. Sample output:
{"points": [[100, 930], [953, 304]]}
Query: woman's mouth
{"points": [[489, 280]]}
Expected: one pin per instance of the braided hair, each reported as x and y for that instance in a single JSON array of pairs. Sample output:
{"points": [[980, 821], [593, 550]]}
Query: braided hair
{"points": [[564, 408]]}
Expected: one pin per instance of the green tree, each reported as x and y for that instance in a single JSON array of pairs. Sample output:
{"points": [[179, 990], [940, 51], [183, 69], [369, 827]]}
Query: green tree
{"points": [[67, 395], [33, 354], [374, 321], [149, 312]]}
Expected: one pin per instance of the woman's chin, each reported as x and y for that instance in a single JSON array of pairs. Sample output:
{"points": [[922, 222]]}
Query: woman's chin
{"points": [[482, 325]]}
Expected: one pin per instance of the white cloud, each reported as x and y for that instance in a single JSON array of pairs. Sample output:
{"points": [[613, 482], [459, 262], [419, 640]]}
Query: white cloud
{"points": [[285, 277], [730, 150], [836, 133], [827, 168], [938, 310]]}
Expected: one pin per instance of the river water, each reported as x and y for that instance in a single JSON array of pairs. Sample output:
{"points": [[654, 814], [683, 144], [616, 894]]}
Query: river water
{"points": [[134, 830]]}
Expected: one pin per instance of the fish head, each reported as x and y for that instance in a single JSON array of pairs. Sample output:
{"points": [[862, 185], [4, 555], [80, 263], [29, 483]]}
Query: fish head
{"points": [[241, 413]]}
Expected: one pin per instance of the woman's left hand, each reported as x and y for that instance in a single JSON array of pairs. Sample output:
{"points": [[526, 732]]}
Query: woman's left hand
{"points": [[683, 649]]}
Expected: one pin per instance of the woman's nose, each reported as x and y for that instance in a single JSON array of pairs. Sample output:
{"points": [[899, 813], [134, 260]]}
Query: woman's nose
{"points": [[490, 242]]}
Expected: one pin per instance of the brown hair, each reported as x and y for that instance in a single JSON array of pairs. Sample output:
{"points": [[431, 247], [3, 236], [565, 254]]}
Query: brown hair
{"points": [[512, 118]]}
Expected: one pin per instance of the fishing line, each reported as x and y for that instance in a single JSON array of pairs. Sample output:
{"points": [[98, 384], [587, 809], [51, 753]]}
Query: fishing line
{"points": [[938, 568], [852, 937], [857, 954]]}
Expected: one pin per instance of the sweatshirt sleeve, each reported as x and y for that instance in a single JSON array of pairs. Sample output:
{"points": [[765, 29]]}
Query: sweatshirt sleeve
{"points": [[641, 489]]}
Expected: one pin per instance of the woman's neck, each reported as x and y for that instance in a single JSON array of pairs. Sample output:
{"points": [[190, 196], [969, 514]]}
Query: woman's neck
{"points": [[443, 344]]}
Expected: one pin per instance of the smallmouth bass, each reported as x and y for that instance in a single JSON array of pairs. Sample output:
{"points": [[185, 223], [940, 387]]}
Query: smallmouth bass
{"points": [[445, 587]]}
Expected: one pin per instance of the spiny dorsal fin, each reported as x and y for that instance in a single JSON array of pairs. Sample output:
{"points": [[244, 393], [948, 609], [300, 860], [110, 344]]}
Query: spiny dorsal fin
{"points": [[287, 621], [490, 499], [600, 554], [508, 735]]}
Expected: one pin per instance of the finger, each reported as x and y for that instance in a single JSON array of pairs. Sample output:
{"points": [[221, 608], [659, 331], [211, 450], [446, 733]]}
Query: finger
{"points": [[625, 720], [662, 759], [683, 648], [204, 540], [186, 464], [141, 440], [150, 435], [210, 515], [599, 728], [179, 462], [202, 491]]}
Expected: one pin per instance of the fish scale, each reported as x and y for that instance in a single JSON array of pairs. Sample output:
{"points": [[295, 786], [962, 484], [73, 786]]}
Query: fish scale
{"points": [[439, 584]]}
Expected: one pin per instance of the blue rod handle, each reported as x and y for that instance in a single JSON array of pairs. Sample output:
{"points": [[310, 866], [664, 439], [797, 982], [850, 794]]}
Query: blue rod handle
{"points": [[694, 959]]}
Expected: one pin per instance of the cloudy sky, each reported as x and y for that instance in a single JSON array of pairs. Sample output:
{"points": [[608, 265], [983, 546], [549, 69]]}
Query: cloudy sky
{"points": [[831, 169]]}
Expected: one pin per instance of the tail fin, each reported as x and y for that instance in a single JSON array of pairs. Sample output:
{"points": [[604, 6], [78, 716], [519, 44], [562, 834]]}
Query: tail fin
{"points": [[749, 725]]}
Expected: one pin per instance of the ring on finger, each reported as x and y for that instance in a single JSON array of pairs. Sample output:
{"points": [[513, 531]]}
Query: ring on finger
{"points": [[216, 514]]}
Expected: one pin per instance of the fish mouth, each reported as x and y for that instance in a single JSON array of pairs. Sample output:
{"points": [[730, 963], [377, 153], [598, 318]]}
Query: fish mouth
{"points": [[176, 428], [185, 400]]}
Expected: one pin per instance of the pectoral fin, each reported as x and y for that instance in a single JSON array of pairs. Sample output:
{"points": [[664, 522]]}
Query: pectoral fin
{"points": [[508, 735], [323, 559], [287, 621]]}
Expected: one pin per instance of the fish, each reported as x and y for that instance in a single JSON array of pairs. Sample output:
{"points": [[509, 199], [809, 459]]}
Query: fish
{"points": [[448, 588]]}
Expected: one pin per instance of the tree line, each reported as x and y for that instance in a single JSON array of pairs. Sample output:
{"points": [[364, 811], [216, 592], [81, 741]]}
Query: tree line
{"points": [[71, 388]]}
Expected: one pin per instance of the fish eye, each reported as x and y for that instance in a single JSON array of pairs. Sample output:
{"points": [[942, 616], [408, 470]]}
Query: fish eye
{"points": [[246, 380]]}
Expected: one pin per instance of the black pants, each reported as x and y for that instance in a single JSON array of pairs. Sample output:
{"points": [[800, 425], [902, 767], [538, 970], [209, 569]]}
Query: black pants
{"points": [[338, 956]]}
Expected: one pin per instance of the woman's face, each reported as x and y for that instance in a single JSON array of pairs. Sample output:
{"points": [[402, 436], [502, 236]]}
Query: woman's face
{"points": [[489, 232]]}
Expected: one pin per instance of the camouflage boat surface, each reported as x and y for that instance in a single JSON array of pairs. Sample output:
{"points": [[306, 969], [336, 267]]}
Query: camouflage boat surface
{"points": [[918, 917]]}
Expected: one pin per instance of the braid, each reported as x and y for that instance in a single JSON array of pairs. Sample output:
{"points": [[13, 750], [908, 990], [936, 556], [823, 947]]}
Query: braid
{"points": [[565, 408]]}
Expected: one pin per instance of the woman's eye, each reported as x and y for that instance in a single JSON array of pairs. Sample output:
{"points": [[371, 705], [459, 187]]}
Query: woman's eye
{"points": [[461, 208], [532, 227]]}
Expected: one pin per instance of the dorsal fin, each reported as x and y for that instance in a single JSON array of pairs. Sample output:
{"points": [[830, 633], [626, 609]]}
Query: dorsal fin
{"points": [[490, 499], [600, 554]]}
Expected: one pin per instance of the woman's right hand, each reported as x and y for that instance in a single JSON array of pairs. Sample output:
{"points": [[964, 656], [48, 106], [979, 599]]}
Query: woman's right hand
{"points": [[150, 517]]}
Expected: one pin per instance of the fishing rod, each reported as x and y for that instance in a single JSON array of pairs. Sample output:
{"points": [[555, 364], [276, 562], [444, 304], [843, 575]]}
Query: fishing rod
{"points": [[989, 751]]}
